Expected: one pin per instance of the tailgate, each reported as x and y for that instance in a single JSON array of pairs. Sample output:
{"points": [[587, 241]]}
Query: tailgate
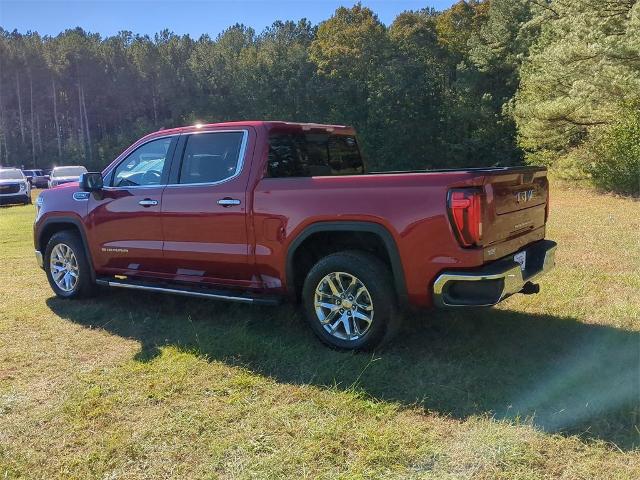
{"points": [[515, 215]]}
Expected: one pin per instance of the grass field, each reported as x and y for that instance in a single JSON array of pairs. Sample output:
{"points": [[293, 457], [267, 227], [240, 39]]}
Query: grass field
{"points": [[132, 385]]}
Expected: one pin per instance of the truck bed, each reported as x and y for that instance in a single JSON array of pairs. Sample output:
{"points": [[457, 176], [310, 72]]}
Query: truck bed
{"points": [[413, 207]]}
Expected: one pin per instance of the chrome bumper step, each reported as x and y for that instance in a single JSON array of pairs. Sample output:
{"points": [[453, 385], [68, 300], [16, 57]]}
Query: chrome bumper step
{"points": [[495, 281]]}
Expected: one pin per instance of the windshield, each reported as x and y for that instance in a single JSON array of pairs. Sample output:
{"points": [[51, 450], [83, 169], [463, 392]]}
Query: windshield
{"points": [[12, 174], [68, 171]]}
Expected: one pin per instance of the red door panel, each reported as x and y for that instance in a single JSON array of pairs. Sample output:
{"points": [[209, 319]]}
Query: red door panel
{"points": [[205, 241], [127, 235]]}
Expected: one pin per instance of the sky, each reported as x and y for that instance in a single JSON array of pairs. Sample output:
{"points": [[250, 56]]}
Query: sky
{"points": [[195, 17]]}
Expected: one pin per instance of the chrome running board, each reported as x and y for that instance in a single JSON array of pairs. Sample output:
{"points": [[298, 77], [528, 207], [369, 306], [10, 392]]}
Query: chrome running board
{"points": [[190, 292]]}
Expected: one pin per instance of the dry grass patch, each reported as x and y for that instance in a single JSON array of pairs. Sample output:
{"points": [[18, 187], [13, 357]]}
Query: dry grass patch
{"points": [[144, 386]]}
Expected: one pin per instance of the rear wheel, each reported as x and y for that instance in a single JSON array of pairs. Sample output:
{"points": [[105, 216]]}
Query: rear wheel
{"points": [[350, 301], [67, 267]]}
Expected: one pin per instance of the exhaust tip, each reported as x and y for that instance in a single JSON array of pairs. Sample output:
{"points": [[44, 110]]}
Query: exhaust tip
{"points": [[530, 288]]}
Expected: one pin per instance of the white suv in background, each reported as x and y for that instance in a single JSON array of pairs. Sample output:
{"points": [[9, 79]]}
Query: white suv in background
{"points": [[14, 186]]}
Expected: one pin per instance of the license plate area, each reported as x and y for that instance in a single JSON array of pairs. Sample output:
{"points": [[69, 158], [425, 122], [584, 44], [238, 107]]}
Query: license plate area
{"points": [[521, 259]]}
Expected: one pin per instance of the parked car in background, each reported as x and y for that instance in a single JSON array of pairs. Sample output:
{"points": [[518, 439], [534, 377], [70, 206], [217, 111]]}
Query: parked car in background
{"points": [[259, 212], [14, 186], [60, 175], [30, 174], [42, 180]]}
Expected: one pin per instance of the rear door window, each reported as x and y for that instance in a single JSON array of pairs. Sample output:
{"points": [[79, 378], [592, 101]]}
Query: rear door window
{"points": [[211, 157]]}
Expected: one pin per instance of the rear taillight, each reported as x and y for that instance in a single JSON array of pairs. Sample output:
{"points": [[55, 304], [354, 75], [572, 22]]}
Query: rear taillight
{"points": [[465, 212]]}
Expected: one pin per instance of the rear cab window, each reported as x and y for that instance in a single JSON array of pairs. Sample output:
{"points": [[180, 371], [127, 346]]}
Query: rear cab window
{"points": [[306, 154]]}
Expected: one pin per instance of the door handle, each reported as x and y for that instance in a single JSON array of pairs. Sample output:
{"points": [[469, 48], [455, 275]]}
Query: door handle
{"points": [[228, 202], [147, 202]]}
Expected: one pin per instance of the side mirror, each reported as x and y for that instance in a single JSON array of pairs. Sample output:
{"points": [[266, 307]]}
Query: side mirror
{"points": [[91, 181]]}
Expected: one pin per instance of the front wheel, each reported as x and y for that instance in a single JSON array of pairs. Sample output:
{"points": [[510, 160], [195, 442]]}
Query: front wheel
{"points": [[67, 267], [350, 301]]}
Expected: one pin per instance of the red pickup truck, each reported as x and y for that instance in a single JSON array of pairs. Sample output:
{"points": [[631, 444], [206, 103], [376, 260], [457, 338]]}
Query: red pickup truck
{"points": [[258, 212]]}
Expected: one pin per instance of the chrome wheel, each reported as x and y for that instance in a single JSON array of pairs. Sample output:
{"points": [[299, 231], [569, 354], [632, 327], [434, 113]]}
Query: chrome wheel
{"points": [[64, 267], [343, 306]]}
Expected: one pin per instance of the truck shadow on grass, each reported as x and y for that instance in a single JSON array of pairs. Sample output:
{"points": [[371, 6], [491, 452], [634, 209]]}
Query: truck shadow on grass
{"points": [[556, 373]]}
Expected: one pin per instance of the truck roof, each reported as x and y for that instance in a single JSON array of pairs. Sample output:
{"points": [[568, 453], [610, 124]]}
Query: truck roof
{"points": [[266, 124]]}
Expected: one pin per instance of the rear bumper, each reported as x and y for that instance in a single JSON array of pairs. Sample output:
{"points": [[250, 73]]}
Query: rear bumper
{"points": [[494, 281]]}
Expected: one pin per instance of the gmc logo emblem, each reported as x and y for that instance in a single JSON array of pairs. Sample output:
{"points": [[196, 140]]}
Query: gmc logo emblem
{"points": [[524, 196]]}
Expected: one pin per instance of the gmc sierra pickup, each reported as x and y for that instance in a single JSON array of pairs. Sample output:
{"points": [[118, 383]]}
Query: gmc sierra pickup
{"points": [[258, 212]]}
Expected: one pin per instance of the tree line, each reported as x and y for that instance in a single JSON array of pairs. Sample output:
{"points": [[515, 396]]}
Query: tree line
{"points": [[494, 82]]}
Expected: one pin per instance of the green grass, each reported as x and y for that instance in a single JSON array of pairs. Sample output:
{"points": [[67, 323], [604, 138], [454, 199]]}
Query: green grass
{"points": [[131, 385]]}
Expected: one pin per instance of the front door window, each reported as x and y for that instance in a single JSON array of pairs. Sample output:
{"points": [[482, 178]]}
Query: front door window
{"points": [[143, 167]]}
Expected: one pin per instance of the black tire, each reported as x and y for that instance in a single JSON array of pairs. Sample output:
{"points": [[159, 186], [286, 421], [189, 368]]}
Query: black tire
{"points": [[376, 278], [84, 286]]}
